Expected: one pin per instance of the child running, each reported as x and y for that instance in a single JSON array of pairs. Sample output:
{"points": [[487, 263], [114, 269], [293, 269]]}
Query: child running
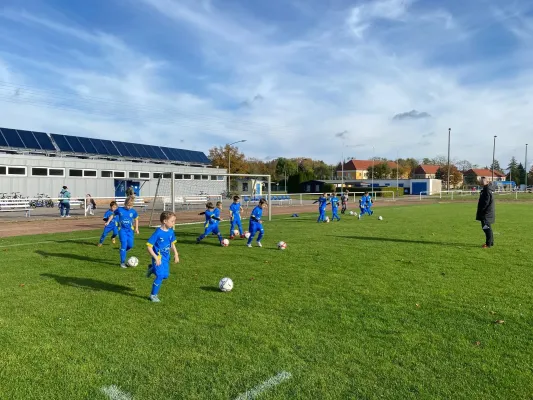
{"points": [[334, 201], [235, 211], [256, 224], [211, 222], [159, 246], [110, 224], [126, 218], [322, 203]]}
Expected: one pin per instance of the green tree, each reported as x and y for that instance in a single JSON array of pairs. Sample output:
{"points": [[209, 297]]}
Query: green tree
{"points": [[380, 171], [496, 166], [514, 172], [456, 178]]}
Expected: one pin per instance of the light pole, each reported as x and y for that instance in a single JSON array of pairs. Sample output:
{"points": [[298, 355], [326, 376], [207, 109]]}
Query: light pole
{"points": [[373, 160], [525, 171], [397, 172], [493, 157], [449, 135], [342, 136], [229, 163]]}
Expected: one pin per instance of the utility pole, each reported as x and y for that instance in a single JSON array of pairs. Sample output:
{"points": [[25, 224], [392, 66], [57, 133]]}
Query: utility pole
{"points": [[449, 135]]}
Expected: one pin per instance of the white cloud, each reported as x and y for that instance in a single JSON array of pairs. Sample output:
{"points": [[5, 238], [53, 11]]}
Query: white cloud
{"points": [[321, 81]]}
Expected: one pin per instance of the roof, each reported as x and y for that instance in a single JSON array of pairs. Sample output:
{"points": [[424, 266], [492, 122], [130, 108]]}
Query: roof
{"points": [[484, 172], [359, 165], [428, 169]]}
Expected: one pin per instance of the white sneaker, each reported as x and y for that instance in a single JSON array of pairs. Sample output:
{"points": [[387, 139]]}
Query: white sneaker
{"points": [[259, 244], [68, 216], [154, 299], [123, 266], [249, 245]]}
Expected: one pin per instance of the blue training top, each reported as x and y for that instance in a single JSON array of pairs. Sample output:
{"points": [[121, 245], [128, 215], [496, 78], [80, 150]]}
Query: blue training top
{"points": [[334, 202], [125, 218], [322, 202], [216, 213], [256, 214], [161, 242], [235, 209]]}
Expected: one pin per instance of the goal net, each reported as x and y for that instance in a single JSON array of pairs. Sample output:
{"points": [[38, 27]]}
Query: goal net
{"points": [[187, 198]]}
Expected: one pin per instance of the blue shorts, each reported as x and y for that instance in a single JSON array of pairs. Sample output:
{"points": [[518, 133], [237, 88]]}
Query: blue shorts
{"points": [[163, 270]]}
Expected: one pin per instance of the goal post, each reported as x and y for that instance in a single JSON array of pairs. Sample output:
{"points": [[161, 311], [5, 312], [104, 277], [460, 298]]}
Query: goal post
{"points": [[187, 197]]}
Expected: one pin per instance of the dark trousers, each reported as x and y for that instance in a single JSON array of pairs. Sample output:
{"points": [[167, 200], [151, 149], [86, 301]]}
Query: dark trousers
{"points": [[343, 209], [487, 228]]}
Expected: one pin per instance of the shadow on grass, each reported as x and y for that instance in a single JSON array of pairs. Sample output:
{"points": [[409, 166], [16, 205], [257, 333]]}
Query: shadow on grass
{"points": [[397, 240], [87, 243], [77, 257], [93, 284], [210, 289]]}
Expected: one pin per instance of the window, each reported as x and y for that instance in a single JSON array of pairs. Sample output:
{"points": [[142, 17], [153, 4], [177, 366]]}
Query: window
{"points": [[157, 175], [75, 172], [134, 175], [3, 170], [89, 173], [205, 177], [119, 174], [145, 175], [217, 178], [56, 172], [167, 175], [16, 170], [245, 186], [178, 176], [106, 174], [187, 176], [39, 171], [197, 177]]}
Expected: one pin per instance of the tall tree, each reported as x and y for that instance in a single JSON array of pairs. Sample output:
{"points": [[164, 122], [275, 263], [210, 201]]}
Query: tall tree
{"points": [[220, 157], [380, 171], [514, 173], [521, 173], [456, 177], [496, 166], [463, 165]]}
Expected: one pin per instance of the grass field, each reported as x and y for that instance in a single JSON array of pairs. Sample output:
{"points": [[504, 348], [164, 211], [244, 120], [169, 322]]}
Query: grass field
{"points": [[403, 308]]}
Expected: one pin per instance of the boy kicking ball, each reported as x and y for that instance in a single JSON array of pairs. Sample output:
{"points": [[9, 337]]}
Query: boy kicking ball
{"points": [[159, 246]]}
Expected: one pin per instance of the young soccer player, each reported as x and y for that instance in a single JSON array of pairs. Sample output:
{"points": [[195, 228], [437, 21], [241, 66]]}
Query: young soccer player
{"points": [[211, 222], [256, 223], [334, 201], [110, 224], [126, 218], [344, 202], [159, 246], [235, 211], [322, 203], [365, 203]]}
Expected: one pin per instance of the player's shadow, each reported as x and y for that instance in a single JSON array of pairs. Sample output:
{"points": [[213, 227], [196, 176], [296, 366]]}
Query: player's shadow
{"points": [[74, 257], [397, 240], [92, 284], [84, 242]]}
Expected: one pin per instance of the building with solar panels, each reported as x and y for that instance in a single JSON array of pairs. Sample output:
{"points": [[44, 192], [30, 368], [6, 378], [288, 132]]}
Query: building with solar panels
{"points": [[37, 162]]}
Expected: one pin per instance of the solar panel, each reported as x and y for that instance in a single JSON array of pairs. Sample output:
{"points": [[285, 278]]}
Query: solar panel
{"points": [[150, 151], [182, 155], [122, 148], [170, 153], [3, 142], [141, 150], [133, 150], [202, 158], [112, 150], [87, 145], [99, 146], [159, 153], [29, 140], [44, 141], [12, 137], [61, 142], [75, 144]]}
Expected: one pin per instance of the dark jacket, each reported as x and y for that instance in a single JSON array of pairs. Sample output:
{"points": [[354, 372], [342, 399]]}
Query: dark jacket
{"points": [[485, 206]]}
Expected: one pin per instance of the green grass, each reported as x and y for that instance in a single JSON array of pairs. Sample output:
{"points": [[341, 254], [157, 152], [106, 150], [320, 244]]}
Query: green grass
{"points": [[398, 309]]}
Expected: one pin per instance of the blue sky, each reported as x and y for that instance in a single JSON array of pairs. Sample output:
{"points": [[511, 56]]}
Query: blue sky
{"points": [[286, 75]]}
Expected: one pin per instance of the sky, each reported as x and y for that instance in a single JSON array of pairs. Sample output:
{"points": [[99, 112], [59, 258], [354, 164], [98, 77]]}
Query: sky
{"points": [[294, 78]]}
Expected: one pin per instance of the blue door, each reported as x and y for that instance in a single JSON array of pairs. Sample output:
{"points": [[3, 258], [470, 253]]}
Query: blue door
{"points": [[419, 187], [121, 186]]}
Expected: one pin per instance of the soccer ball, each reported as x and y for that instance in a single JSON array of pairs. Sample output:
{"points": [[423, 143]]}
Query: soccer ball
{"points": [[282, 245], [351, 212], [247, 235], [380, 218], [225, 284], [133, 262], [236, 232], [225, 242], [359, 216], [327, 219], [354, 214]]}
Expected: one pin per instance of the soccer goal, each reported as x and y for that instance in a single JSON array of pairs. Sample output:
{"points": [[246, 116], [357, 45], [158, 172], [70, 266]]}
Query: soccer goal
{"points": [[188, 197]]}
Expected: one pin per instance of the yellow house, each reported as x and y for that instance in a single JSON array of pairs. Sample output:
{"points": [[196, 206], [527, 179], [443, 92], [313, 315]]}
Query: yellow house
{"points": [[358, 169]]}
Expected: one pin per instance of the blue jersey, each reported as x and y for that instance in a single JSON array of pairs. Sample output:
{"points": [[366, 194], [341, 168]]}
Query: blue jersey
{"points": [[161, 242], [334, 202], [367, 200], [107, 215], [322, 202], [126, 218], [235, 210], [256, 214], [216, 214], [209, 218]]}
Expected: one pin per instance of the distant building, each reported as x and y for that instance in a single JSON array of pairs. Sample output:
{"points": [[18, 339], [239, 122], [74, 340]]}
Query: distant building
{"points": [[474, 175], [358, 169], [424, 171]]}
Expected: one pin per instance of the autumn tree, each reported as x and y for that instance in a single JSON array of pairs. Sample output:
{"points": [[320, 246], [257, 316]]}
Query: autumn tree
{"points": [[379, 171], [456, 177], [222, 156]]}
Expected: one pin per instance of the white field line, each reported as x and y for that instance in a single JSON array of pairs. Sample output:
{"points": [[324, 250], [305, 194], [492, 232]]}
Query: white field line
{"points": [[268, 384], [114, 393], [46, 242]]}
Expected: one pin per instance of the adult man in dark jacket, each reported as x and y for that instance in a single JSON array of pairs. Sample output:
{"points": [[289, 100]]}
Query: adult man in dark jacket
{"points": [[486, 212]]}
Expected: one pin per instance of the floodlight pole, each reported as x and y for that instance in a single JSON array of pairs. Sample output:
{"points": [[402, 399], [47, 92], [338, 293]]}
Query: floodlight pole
{"points": [[373, 160], [449, 135], [229, 163], [397, 171], [525, 170], [493, 157]]}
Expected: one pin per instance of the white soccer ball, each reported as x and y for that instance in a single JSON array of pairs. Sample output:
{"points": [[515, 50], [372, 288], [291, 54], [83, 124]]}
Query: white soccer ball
{"points": [[236, 232], [351, 213], [380, 218], [225, 242], [225, 284], [247, 235], [359, 216], [133, 262], [327, 219], [282, 245]]}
